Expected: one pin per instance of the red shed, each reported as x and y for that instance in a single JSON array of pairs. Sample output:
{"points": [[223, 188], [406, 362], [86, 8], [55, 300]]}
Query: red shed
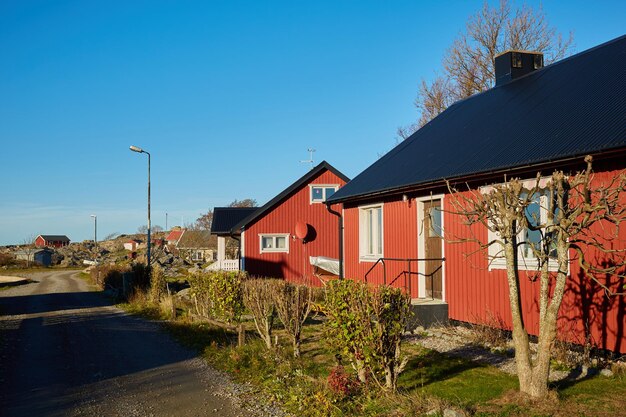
{"points": [[398, 212], [55, 241], [270, 244]]}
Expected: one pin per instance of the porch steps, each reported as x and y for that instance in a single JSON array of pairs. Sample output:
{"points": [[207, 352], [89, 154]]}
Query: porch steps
{"points": [[428, 312]]}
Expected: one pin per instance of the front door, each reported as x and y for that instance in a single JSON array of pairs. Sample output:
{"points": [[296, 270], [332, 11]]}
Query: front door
{"points": [[433, 239]]}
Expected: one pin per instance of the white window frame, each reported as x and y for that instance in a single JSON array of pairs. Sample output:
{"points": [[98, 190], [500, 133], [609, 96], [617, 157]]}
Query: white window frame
{"points": [[497, 260], [274, 236], [365, 236], [324, 187], [421, 245]]}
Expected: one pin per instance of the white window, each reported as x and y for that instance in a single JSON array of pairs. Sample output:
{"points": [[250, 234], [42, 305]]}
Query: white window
{"points": [[371, 232], [320, 193], [274, 243], [529, 240]]}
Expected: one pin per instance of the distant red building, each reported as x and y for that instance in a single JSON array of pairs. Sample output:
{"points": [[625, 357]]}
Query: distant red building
{"points": [[55, 241]]}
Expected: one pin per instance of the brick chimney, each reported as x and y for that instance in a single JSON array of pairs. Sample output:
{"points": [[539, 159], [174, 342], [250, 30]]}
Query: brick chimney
{"points": [[513, 64]]}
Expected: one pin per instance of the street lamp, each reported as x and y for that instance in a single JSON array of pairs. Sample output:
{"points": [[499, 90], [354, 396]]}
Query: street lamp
{"points": [[139, 150], [95, 232]]}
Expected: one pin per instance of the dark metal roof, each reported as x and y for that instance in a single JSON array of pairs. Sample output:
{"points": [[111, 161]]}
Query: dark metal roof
{"points": [[305, 179], [56, 238], [224, 218], [571, 108]]}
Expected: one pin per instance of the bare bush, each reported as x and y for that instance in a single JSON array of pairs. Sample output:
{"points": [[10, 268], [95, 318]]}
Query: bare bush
{"points": [[293, 305], [258, 297]]}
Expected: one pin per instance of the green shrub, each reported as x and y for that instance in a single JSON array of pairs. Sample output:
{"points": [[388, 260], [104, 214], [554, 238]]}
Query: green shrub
{"points": [[158, 284], [365, 324], [108, 276], [218, 294]]}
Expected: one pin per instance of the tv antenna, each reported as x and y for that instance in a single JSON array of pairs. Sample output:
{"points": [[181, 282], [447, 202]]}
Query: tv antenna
{"points": [[310, 160]]}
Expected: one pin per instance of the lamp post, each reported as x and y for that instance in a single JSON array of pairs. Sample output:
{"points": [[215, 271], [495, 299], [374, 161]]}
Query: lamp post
{"points": [[139, 150], [95, 232]]}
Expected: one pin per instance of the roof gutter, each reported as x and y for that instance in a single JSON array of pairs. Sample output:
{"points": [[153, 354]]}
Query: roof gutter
{"points": [[475, 176], [340, 227]]}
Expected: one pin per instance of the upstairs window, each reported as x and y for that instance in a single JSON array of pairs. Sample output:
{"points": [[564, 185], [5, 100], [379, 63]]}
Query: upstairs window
{"points": [[275, 243], [320, 193]]}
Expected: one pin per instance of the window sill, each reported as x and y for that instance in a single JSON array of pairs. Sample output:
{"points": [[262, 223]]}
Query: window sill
{"points": [[370, 258], [522, 265]]}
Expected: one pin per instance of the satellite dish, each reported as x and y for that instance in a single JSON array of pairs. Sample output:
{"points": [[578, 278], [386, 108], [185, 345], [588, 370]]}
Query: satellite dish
{"points": [[302, 230]]}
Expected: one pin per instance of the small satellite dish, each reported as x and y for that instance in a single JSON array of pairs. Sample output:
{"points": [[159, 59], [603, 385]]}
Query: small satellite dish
{"points": [[302, 230]]}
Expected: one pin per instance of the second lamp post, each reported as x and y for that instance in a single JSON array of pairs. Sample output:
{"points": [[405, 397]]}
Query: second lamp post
{"points": [[139, 150]]}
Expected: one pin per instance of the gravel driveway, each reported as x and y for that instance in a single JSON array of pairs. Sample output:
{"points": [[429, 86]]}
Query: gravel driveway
{"points": [[66, 351]]}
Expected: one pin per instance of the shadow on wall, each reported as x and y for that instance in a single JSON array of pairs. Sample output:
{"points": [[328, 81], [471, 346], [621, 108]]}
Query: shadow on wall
{"points": [[599, 318], [280, 269]]}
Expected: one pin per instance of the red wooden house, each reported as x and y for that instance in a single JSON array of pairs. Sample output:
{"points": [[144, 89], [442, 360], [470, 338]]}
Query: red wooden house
{"points": [[55, 241], [278, 239], [397, 212]]}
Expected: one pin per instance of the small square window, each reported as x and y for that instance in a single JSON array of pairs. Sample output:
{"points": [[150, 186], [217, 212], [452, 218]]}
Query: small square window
{"points": [[321, 193], [516, 60], [317, 194], [275, 243]]}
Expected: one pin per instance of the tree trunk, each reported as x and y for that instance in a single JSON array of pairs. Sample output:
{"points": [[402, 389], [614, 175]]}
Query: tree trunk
{"points": [[389, 378], [268, 336], [241, 335], [361, 371], [296, 347], [520, 336]]}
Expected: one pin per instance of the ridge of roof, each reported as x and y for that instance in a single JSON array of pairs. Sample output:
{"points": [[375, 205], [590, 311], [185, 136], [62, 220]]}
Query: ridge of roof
{"points": [[297, 184], [551, 106]]}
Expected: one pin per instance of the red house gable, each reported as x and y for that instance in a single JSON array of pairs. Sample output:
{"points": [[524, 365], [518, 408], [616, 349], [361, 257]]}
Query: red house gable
{"points": [[270, 244]]}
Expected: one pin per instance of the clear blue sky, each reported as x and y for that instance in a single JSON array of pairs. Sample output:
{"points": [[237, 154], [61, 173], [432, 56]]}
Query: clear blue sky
{"points": [[226, 95]]}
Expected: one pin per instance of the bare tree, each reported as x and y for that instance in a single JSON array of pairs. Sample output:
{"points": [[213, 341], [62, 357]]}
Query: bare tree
{"points": [[247, 202], [29, 248], [468, 65], [111, 236], [143, 229], [205, 220], [580, 216]]}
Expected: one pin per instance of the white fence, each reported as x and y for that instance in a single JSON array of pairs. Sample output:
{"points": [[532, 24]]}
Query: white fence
{"points": [[225, 265]]}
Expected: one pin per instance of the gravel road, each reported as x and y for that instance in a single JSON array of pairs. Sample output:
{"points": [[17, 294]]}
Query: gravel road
{"points": [[66, 351]]}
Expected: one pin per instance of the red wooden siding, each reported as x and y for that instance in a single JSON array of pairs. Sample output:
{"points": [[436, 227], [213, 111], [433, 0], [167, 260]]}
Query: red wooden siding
{"points": [[399, 240], [477, 295], [294, 266]]}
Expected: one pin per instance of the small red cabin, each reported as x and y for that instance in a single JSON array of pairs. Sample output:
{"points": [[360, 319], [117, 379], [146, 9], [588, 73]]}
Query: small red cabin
{"points": [[278, 239], [55, 241]]}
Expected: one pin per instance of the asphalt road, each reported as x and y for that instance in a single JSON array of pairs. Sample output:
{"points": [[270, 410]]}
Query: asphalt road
{"points": [[66, 351]]}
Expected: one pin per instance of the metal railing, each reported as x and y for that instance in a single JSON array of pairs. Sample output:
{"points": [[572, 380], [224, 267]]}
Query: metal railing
{"points": [[408, 272]]}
